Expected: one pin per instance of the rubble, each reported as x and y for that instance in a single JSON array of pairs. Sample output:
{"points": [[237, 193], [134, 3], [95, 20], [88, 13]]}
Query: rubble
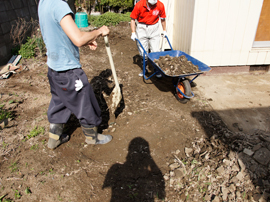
{"points": [[235, 168]]}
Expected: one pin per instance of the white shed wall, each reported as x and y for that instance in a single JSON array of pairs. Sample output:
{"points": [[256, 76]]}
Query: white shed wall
{"points": [[219, 32], [169, 7]]}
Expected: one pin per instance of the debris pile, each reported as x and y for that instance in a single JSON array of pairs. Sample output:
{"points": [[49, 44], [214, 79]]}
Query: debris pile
{"points": [[236, 169], [173, 66]]}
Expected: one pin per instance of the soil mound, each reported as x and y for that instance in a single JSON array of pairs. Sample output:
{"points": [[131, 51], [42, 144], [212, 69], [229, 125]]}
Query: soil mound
{"points": [[176, 65]]}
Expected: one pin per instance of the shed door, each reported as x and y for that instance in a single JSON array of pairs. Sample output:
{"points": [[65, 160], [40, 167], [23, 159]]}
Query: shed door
{"points": [[262, 38]]}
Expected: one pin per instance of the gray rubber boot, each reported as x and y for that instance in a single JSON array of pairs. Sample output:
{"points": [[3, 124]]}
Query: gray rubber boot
{"points": [[55, 135], [93, 137]]}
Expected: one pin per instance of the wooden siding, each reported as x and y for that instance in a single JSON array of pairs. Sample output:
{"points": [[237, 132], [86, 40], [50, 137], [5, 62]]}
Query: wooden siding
{"points": [[219, 32]]}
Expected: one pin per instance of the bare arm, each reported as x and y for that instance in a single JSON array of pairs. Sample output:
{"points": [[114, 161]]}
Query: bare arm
{"points": [[133, 25], [163, 23], [78, 37]]}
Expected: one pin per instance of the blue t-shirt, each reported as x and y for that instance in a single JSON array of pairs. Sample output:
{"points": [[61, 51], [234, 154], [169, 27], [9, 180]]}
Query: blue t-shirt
{"points": [[62, 54]]}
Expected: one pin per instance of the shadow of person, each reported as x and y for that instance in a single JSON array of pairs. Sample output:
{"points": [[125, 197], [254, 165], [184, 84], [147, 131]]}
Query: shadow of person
{"points": [[102, 85], [138, 179]]}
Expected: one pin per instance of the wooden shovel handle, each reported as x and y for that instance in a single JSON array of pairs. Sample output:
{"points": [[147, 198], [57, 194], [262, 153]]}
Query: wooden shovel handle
{"points": [[111, 60]]}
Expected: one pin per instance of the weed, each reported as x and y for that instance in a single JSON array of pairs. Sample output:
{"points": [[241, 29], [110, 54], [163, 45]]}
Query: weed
{"points": [[187, 197], [27, 50], [17, 194], [27, 190], [26, 164], [244, 195], [4, 145], [35, 132], [4, 114], [194, 161], [14, 167], [78, 161], [59, 198], [51, 171], [1, 197], [34, 147]]}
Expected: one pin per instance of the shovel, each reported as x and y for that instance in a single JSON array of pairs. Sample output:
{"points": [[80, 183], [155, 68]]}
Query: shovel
{"points": [[116, 95]]}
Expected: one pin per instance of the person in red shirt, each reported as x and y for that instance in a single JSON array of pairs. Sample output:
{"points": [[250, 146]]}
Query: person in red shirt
{"points": [[148, 13]]}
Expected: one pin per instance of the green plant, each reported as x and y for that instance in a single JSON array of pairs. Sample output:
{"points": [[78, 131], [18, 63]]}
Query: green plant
{"points": [[4, 145], [27, 50], [14, 167], [35, 132], [51, 171], [4, 114], [27, 190], [34, 147], [108, 19], [17, 194]]}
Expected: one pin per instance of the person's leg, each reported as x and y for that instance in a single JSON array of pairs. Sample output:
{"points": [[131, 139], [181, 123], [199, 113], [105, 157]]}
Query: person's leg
{"points": [[141, 32], [154, 42], [93, 137], [57, 114], [83, 104], [154, 37]]}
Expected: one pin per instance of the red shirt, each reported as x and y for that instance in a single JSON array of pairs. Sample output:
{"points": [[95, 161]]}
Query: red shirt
{"points": [[147, 15]]}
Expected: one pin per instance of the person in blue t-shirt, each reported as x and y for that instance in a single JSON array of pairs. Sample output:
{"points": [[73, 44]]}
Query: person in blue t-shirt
{"points": [[71, 92]]}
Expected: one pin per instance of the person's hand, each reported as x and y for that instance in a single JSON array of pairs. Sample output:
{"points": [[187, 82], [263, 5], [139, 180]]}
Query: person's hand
{"points": [[104, 30], [165, 33], [133, 36], [93, 45], [78, 85]]}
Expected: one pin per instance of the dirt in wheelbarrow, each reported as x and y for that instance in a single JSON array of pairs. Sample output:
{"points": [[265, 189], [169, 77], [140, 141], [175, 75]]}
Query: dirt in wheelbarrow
{"points": [[152, 134], [173, 66]]}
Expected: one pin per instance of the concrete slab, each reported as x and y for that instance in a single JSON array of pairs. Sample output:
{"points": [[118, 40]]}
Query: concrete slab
{"points": [[241, 100]]}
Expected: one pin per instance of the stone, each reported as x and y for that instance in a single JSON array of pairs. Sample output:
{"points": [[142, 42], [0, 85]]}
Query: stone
{"points": [[240, 176], [174, 166], [188, 151], [225, 192], [256, 147], [248, 152], [180, 173], [262, 156], [220, 170], [216, 199], [241, 164]]}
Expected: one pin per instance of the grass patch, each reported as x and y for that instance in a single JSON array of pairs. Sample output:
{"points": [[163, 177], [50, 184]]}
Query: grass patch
{"points": [[35, 132]]}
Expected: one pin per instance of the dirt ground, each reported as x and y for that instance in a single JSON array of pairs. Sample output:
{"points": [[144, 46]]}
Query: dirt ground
{"points": [[150, 126]]}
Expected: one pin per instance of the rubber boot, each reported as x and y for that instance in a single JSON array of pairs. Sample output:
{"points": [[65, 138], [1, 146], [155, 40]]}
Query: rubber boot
{"points": [[55, 135], [93, 137]]}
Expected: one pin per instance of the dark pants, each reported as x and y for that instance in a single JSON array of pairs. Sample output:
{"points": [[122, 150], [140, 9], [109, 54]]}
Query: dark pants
{"points": [[65, 100]]}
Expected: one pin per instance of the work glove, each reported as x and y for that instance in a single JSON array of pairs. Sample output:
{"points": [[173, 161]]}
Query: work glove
{"points": [[133, 36], [78, 85], [164, 33]]}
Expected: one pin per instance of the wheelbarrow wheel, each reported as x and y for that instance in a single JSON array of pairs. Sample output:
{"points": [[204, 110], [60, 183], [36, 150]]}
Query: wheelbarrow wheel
{"points": [[185, 87]]}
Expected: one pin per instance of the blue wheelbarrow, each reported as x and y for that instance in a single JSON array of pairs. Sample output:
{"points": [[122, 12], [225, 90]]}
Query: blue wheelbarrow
{"points": [[182, 84]]}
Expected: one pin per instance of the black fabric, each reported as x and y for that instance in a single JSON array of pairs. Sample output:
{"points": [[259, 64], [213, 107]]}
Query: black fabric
{"points": [[65, 100]]}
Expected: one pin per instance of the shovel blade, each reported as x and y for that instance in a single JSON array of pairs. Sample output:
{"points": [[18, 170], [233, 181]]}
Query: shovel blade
{"points": [[114, 99]]}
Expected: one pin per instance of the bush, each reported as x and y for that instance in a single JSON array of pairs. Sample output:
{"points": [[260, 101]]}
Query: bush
{"points": [[28, 50], [108, 19]]}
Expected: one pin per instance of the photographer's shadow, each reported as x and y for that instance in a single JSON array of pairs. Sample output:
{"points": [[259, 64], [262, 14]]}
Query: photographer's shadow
{"points": [[138, 179]]}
